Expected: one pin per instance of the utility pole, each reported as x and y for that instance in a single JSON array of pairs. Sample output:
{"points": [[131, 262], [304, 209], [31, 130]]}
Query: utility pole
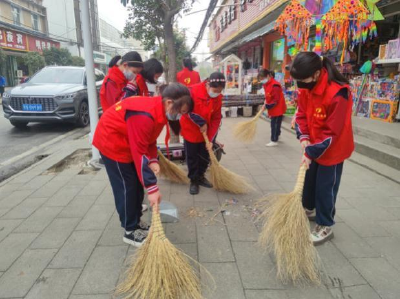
{"points": [[90, 78]]}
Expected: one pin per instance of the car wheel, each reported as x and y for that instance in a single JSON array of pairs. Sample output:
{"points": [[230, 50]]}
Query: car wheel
{"points": [[83, 115], [19, 124]]}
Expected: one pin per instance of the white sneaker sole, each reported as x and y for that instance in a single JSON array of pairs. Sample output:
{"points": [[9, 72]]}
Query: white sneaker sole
{"points": [[271, 145], [320, 242], [133, 243]]}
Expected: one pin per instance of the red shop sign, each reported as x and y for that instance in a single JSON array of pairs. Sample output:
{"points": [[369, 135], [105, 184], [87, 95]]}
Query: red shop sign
{"points": [[13, 40], [39, 44]]}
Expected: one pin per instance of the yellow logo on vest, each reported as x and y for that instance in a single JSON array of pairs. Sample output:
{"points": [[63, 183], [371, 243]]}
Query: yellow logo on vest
{"points": [[319, 113], [118, 107], [187, 81]]}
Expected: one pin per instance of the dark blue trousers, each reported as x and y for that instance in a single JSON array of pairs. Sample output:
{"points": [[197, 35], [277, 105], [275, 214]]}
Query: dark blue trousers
{"points": [[320, 191], [276, 123], [197, 159], [128, 192]]}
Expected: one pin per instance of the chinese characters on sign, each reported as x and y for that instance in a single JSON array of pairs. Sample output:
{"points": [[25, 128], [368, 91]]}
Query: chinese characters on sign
{"points": [[229, 15], [12, 40]]}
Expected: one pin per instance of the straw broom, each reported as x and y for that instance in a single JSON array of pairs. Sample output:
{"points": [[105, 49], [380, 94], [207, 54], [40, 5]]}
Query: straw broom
{"points": [[159, 270], [286, 232], [171, 171], [246, 130], [224, 179]]}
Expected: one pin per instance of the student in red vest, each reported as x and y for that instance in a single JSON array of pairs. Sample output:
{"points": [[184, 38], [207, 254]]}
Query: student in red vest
{"points": [[188, 76], [152, 70], [122, 70], [206, 117], [274, 103], [126, 137], [325, 133]]}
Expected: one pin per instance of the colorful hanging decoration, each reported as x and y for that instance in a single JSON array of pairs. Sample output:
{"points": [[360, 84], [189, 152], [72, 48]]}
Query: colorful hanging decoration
{"points": [[292, 51], [318, 37], [295, 22]]}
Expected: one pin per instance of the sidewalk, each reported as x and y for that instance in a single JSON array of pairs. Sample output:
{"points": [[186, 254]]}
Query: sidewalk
{"points": [[60, 236]]}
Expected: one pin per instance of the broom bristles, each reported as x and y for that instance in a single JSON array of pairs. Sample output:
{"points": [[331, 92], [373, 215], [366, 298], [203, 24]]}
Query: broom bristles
{"points": [[286, 232], [245, 131], [160, 271], [224, 179], [171, 171]]}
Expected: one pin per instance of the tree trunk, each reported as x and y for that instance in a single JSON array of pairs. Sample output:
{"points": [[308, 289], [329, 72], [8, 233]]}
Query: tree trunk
{"points": [[170, 44]]}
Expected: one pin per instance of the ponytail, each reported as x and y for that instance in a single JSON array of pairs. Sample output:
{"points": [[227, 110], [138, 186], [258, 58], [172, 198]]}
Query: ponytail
{"points": [[114, 61], [307, 63], [187, 63]]}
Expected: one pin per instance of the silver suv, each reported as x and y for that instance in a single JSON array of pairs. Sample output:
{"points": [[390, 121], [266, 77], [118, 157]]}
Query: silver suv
{"points": [[54, 94]]}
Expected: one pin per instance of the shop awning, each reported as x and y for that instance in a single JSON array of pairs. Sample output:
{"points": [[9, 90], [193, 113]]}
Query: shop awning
{"points": [[263, 30]]}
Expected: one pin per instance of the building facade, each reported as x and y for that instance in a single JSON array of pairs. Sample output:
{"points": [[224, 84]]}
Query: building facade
{"points": [[23, 29]]}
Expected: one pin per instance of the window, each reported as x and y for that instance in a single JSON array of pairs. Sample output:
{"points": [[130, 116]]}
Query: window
{"points": [[277, 55], [16, 12], [35, 22]]}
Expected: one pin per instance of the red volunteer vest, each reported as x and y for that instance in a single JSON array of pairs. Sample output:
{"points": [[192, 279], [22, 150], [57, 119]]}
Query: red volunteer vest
{"points": [[142, 86], [318, 104], [115, 75], [187, 77], [280, 107], [111, 136], [203, 106]]}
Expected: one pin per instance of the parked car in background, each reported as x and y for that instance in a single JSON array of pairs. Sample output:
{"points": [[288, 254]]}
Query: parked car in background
{"points": [[54, 94]]}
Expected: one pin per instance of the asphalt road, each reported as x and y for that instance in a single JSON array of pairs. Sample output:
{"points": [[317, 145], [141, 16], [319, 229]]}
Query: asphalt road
{"points": [[15, 142]]}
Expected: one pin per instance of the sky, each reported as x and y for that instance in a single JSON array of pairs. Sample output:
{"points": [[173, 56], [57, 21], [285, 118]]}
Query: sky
{"points": [[191, 23]]}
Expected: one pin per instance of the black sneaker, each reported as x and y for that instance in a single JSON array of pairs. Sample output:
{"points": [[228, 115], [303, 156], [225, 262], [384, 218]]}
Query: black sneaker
{"points": [[144, 227], [194, 188], [205, 183], [135, 238]]}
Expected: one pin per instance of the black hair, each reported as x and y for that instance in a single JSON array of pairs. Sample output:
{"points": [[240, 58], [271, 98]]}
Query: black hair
{"points": [[150, 68], [217, 79], [307, 63], [187, 63], [265, 73], [114, 61], [180, 94], [133, 59]]}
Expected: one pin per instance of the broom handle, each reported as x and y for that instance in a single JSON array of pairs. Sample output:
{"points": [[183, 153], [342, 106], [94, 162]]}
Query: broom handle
{"points": [[206, 138], [301, 176]]}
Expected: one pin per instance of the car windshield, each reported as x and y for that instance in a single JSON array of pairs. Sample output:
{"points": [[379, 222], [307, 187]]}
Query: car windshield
{"points": [[58, 75]]}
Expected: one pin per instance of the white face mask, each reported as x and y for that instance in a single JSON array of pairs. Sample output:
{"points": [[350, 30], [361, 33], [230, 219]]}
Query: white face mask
{"points": [[264, 81], [129, 75], [173, 116], [213, 94]]}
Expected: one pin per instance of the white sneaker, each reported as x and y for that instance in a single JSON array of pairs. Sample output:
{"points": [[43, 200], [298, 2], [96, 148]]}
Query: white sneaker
{"points": [[321, 234], [271, 144], [144, 208]]}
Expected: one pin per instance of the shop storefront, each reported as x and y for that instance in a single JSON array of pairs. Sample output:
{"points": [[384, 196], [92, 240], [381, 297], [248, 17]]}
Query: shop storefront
{"points": [[15, 45]]}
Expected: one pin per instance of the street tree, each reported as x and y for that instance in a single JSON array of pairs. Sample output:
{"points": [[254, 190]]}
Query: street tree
{"points": [[34, 61], [77, 61], [153, 21], [56, 56]]}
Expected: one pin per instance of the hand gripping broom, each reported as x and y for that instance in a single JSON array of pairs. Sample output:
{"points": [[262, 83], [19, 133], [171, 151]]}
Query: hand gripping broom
{"points": [[171, 171], [246, 130], [224, 179], [286, 232], [159, 270]]}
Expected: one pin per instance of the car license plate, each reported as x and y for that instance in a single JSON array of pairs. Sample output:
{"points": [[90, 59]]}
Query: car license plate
{"points": [[32, 107]]}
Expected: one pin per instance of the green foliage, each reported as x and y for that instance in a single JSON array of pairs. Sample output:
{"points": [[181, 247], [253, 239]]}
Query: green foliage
{"points": [[55, 56], [78, 61], [3, 57], [34, 61]]}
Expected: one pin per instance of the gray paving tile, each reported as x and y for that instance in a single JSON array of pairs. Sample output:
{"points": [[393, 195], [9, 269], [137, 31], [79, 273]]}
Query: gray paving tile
{"points": [[256, 269], [387, 247], [240, 224], [96, 218], [12, 247], [18, 280], [54, 283], [64, 196], [309, 292], [361, 224], [94, 188], [392, 227], [25, 209], [39, 220], [371, 209], [101, 273], [382, 276], [106, 198], [266, 294], [56, 233], [8, 188], [4, 211], [337, 270], [49, 189], [76, 250], [355, 292], [103, 296], [227, 281], [351, 244], [15, 198], [183, 231], [36, 182], [7, 226], [78, 207]]}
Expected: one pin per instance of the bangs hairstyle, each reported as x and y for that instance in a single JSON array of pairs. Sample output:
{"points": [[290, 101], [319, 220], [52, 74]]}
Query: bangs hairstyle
{"points": [[307, 63], [216, 80], [150, 68], [133, 59], [265, 73], [179, 94]]}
